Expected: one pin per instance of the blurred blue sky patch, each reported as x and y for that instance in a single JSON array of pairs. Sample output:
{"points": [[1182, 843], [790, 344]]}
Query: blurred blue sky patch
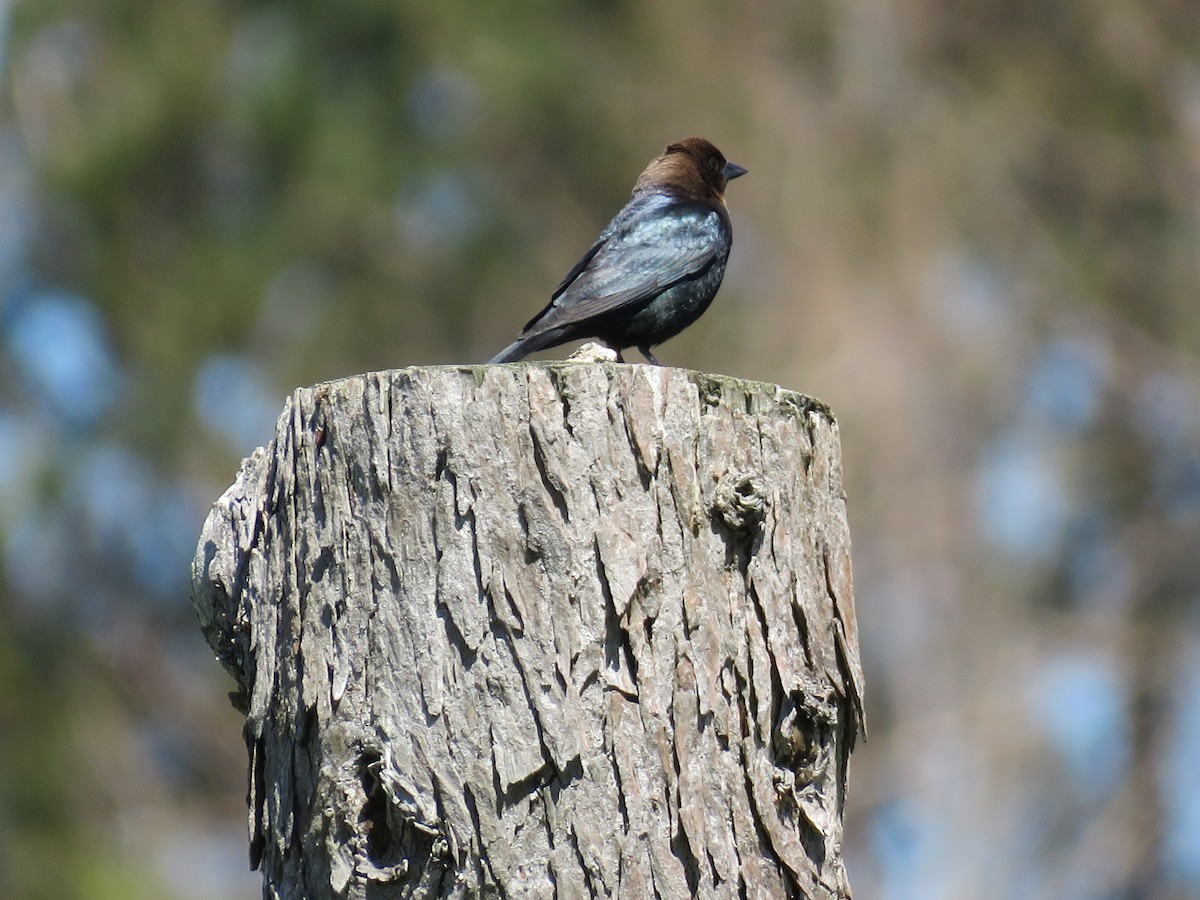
{"points": [[1066, 384], [233, 400], [1179, 782], [1021, 498], [1077, 701], [1166, 413], [147, 523], [909, 841], [59, 343], [437, 212]]}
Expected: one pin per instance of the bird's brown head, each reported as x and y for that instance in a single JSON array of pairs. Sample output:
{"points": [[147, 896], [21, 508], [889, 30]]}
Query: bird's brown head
{"points": [[691, 168]]}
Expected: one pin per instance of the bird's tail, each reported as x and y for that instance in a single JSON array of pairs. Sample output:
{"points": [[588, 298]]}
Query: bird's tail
{"points": [[529, 343], [511, 353]]}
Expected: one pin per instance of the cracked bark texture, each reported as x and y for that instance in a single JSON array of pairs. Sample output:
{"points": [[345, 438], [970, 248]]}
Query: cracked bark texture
{"points": [[541, 630]]}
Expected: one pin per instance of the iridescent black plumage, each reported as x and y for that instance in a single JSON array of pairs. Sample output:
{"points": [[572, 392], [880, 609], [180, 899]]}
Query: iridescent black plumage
{"points": [[654, 269]]}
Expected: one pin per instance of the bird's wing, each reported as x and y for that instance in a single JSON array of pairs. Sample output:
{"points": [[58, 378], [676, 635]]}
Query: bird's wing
{"points": [[639, 255], [580, 266]]}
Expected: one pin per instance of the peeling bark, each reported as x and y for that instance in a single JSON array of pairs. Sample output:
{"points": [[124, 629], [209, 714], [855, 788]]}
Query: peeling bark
{"points": [[531, 630]]}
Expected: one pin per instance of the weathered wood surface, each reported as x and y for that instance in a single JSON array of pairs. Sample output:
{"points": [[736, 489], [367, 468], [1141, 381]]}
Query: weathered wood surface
{"points": [[570, 629]]}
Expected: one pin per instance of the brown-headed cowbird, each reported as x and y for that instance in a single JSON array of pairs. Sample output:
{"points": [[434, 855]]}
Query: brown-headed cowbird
{"points": [[654, 269]]}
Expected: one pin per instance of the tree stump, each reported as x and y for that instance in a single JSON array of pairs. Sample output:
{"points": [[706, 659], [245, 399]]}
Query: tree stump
{"points": [[541, 630]]}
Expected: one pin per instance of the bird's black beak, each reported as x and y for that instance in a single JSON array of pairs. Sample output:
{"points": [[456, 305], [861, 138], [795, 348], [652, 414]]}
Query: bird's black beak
{"points": [[732, 171]]}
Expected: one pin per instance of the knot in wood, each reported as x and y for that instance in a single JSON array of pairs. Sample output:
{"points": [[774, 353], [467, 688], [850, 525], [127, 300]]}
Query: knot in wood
{"points": [[803, 733], [740, 500]]}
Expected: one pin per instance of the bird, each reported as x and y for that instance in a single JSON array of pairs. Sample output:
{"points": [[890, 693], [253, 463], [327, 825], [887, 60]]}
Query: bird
{"points": [[655, 267]]}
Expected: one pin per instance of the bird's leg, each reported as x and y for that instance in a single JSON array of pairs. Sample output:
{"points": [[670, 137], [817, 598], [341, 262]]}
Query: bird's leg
{"points": [[615, 348], [650, 356]]}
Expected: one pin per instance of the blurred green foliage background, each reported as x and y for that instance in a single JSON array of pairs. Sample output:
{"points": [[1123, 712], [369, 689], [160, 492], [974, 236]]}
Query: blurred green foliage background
{"points": [[972, 228]]}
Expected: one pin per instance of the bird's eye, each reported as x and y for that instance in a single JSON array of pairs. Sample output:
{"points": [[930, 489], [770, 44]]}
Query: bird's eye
{"points": [[715, 163]]}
